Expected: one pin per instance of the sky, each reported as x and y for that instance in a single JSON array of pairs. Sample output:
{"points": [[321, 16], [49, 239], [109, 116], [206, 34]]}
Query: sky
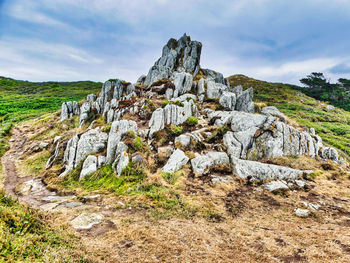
{"points": [[272, 40]]}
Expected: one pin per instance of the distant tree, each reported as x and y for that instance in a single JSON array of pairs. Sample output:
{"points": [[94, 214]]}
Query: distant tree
{"points": [[318, 87], [315, 80]]}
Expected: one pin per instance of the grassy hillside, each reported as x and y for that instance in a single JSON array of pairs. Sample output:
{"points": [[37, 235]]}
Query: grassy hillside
{"points": [[25, 238], [333, 125], [23, 100]]}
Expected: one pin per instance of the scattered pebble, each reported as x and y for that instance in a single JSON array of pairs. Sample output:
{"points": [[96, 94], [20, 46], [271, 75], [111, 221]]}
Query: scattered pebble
{"points": [[86, 220], [301, 212]]}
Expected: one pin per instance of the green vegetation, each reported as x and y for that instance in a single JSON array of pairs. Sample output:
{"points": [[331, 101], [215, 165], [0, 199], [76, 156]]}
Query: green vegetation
{"points": [[23, 100], [25, 238], [191, 121], [132, 182], [176, 130], [331, 125], [318, 87]]}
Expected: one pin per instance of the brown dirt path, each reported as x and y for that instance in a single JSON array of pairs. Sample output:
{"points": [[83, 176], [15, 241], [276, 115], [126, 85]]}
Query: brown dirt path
{"points": [[12, 178]]}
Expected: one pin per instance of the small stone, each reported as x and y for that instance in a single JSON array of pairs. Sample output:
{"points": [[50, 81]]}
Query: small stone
{"points": [[276, 186], [301, 212], [86, 220], [300, 183]]}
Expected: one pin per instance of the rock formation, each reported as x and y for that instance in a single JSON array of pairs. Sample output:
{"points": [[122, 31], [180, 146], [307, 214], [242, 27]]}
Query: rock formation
{"points": [[225, 133]]}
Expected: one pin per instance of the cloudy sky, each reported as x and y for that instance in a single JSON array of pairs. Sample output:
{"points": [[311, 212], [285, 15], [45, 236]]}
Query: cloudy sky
{"points": [[274, 40]]}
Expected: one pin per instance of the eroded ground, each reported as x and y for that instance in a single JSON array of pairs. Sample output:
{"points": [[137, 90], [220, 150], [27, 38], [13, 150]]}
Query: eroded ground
{"points": [[188, 219]]}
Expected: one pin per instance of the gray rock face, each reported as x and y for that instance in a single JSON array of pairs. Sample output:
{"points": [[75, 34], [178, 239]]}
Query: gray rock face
{"points": [[234, 147], [203, 162], [184, 140], [178, 55], [92, 141], [84, 113], [215, 90], [123, 162], [53, 157], [176, 161], [273, 111], [171, 114], [68, 109], [201, 90], [89, 166], [257, 171], [228, 100], [91, 97], [212, 75], [238, 90], [245, 101], [183, 83], [118, 129]]}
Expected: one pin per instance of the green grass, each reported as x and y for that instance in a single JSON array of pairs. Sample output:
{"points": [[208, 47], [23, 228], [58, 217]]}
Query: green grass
{"points": [[332, 125], [24, 100], [130, 183], [25, 238]]}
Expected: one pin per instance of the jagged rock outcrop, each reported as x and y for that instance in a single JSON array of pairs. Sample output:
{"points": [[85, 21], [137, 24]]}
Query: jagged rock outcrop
{"points": [[233, 139], [115, 147], [203, 162], [176, 161], [257, 171], [178, 55], [80, 146], [68, 109], [171, 114]]}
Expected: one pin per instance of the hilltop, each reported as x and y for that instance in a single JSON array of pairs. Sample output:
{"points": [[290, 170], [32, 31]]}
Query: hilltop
{"points": [[185, 165]]}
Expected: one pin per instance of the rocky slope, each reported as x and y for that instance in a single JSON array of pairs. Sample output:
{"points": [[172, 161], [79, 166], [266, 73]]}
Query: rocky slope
{"points": [[217, 124]]}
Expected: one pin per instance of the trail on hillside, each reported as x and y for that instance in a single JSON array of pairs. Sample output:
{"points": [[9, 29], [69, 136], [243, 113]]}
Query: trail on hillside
{"points": [[33, 191], [12, 179]]}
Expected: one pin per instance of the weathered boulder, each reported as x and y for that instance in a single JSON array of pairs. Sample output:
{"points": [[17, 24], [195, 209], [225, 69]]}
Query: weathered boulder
{"points": [[238, 90], [91, 98], [68, 109], [276, 186], [53, 157], [228, 100], [89, 166], [86, 220], [176, 161], [64, 112], [215, 90], [92, 141], [156, 122], [183, 140], [178, 55], [234, 147], [84, 113], [118, 129], [171, 114], [257, 171], [273, 111], [201, 90], [203, 162], [183, 83], [245, 101], [301, 212], [123, 162]]}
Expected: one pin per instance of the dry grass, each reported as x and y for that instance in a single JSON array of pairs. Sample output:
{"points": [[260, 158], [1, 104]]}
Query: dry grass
{"points": [[224, 222]]}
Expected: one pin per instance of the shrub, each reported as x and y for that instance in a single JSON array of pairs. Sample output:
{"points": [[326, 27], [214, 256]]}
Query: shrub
{"points": [[176, 130], [164, 103], [191, 121], [137, 143], [169, 177]]}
